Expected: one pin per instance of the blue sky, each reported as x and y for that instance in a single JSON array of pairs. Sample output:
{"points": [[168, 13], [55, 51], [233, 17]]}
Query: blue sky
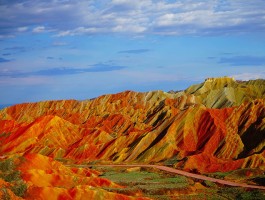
{"points": [[62, 49]]}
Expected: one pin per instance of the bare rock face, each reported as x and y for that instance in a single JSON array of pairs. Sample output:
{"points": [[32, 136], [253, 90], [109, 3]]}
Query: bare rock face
{"points": [[49, 179], [218, 125]]}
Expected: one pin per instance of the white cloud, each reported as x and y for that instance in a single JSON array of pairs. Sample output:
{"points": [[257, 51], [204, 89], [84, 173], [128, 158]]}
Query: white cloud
{"points": [[249, 76], [38, 29], [59, 44], [22, 29], [81, 31], [131, 4], [145, 16], [22, 81], [129, 29]]}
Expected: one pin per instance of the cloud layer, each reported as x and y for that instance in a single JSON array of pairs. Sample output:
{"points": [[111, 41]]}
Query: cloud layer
{"points": [[3, 60], [134, 51], [68, 18], [243, 60], [60, 71]]}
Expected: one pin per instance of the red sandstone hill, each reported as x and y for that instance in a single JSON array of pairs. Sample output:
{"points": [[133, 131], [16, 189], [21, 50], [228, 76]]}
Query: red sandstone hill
{"points": [[147, 127], [218, 125]]}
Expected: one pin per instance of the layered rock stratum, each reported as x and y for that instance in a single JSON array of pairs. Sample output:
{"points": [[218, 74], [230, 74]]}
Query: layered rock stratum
{"points": [[218, 125]]}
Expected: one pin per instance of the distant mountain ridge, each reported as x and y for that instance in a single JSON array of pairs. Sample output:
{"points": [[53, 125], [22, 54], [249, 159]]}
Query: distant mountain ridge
{"points": [[218, 125]]}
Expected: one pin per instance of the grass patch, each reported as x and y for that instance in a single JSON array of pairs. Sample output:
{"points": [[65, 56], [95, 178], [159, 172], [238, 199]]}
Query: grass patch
{"points": [[171, 161], [209, 184], [247, 175], [130, 177], [218, 175], [242, 194], [151, 184], [5, 195], [7, 165], [19, 188], [9, 174], [162, 185]]}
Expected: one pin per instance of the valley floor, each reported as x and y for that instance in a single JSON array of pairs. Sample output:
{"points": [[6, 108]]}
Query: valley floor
{"points": [[162, 182]]}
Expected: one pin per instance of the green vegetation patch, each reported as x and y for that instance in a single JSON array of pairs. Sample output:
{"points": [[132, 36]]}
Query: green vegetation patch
{"points": [[240, 193], [146, 178], [9, 174], [161, 185], [218, 175], [151, 184], [247, 175]]}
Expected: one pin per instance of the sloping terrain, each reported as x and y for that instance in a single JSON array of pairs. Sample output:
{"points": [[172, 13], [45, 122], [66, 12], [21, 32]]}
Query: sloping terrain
{"points": [[49, 179], [218, 125], [45, 177]]}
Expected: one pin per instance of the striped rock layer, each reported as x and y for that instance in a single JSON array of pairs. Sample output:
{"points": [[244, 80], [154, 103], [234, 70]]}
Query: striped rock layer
{"points": [[49, 179], [218, 125]]}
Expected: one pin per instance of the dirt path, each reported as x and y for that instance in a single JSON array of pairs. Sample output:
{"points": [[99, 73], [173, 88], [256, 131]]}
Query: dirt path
{"points": [[191, 175]]}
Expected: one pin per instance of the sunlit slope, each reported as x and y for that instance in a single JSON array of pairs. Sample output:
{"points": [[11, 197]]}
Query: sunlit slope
{"points": [[218, 125], [227, 92], [49, 179]]}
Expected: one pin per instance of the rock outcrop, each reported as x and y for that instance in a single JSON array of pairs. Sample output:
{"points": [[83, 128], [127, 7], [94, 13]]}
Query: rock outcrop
{"points": [[49, 179]]}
